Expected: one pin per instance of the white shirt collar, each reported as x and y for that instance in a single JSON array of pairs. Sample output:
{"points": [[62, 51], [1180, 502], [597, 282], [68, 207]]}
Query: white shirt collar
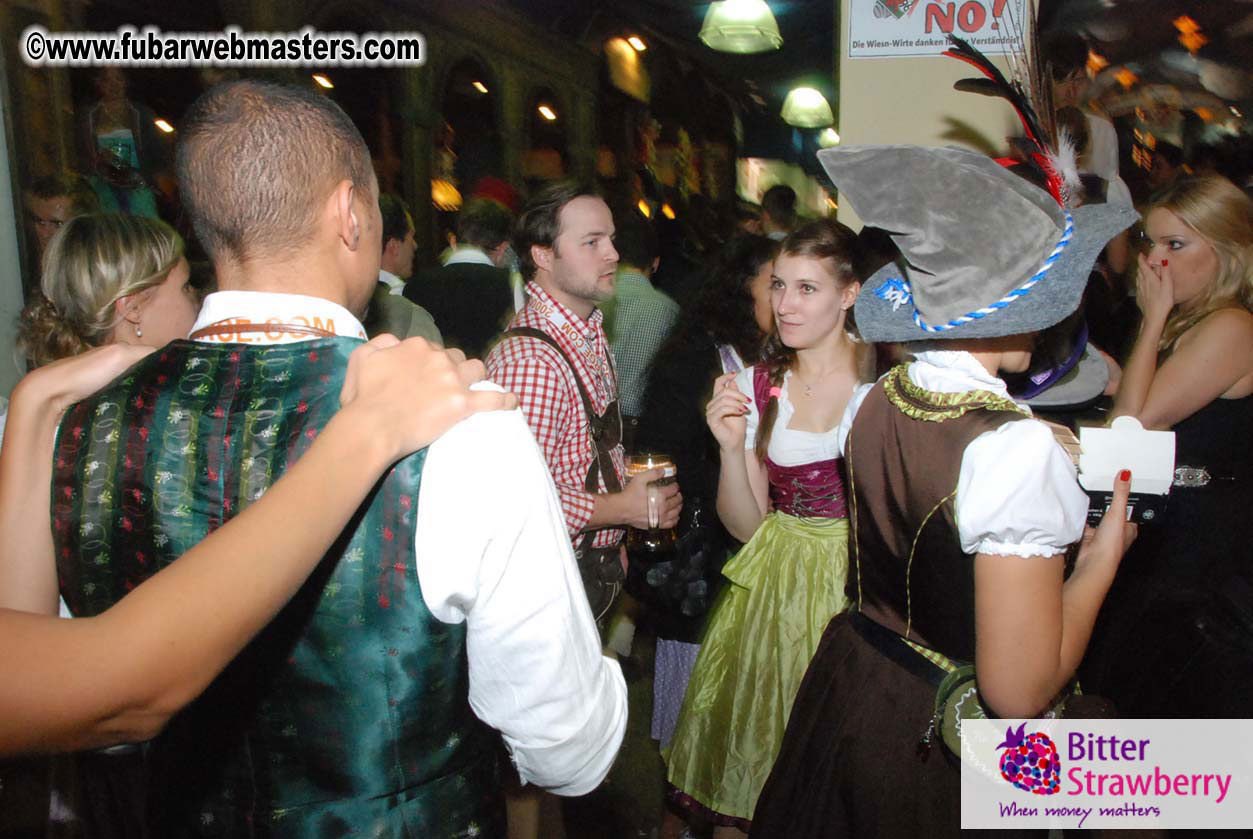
{"points": [[387, 278], [469, 254], [953, 371], [240, 307]]}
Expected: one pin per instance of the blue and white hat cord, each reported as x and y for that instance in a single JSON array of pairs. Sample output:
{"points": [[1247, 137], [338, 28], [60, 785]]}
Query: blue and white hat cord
{"points": [[897, 292]]}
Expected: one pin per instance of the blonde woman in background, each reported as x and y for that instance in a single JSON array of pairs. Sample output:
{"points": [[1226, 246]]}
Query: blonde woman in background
{"points": [[104, 278], [1176, 636], [107, 279], [1195, 289]]}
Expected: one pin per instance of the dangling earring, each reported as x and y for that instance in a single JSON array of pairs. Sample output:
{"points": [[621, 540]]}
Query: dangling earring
{"points": [[139, 333]]}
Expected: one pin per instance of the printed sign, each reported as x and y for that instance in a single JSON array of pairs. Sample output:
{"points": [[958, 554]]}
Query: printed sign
{"points": [[894, 28], [1130, 774]]}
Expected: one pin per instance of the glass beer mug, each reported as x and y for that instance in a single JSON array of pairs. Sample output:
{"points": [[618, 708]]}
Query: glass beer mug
{"points": [[655, 538]]}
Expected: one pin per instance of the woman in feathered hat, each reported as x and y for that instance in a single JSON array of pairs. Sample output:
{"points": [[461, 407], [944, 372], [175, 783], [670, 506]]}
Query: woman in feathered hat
{"points": [[962, 505]]}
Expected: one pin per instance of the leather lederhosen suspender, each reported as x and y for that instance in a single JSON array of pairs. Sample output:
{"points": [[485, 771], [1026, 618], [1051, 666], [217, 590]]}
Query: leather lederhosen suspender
{"points": [[606, 428], [601, 571]]}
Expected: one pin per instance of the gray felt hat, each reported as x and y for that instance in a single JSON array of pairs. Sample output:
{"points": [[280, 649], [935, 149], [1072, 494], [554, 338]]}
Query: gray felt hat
{"points": [[988, 254]]}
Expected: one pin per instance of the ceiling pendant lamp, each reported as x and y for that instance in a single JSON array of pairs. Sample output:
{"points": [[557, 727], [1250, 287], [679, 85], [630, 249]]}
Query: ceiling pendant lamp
{"points": [[741, 26], [807, 108]]}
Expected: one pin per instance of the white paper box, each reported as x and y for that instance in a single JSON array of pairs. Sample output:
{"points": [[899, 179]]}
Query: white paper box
{"points": [[1150, 455]]}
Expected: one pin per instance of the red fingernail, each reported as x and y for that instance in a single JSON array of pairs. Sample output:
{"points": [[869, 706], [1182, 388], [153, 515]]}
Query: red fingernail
{"points": [[1165, 262], [1124, 475]]}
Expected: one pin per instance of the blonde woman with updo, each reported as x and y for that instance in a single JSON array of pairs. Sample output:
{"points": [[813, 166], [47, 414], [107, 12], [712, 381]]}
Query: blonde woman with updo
{"points": [[1176, 638], [105, 279], [109, 279]]}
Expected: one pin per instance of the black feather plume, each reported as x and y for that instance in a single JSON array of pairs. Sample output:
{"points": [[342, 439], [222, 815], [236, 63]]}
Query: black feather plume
{"points": [[1030, 94], [985, 87], [1012, 92]]}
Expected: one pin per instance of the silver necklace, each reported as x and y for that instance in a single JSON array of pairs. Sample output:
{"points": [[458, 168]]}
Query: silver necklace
{"points": [[809, 388]]}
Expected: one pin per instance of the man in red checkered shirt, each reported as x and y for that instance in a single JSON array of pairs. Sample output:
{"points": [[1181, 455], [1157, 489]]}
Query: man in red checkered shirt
{"points": [[556, 358]]}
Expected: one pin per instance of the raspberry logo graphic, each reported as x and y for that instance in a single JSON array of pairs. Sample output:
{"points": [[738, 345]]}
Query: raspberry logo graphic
{"points": [[1030, 762]]}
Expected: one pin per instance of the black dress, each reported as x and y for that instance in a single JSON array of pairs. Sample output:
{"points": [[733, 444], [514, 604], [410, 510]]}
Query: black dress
{"points": [[1175, 637]]}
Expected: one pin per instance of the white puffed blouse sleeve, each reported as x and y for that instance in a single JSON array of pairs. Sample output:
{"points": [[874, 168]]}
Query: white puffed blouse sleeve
{"points": [[1017, 493]]}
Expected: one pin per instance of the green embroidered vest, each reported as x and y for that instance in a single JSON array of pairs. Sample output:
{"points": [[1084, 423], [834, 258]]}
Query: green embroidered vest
{"points": [[348, 715], [903, 455]]}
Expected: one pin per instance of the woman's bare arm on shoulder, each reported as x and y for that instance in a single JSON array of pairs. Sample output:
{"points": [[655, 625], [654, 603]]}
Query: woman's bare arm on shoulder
{"points": [[121, 675]]}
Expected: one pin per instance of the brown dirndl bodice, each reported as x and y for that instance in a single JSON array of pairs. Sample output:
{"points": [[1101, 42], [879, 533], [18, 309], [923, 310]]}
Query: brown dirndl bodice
{"points": [[904, 455]]}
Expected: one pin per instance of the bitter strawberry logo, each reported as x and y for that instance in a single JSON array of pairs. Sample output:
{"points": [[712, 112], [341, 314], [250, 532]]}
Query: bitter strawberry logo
{"points": [[1030, 762]]}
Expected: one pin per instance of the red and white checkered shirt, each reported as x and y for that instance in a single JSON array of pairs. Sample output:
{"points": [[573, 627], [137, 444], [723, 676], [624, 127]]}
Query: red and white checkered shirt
{"points": [[549, 398]]}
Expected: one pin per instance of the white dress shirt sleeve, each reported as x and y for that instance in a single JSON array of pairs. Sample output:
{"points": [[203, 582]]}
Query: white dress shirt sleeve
{"points": [[492, 550], [1102, 158], [1017, 493]]}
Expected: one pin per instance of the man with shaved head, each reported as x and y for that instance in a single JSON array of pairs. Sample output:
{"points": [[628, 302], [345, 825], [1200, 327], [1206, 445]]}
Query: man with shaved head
{"points": [[450, 606]]}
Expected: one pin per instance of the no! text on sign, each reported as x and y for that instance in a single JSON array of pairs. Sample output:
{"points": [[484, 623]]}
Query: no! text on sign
{"points": [[914, 28]]}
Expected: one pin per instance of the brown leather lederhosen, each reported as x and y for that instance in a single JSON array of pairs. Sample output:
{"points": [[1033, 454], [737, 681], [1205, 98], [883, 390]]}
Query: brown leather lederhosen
{"points": [[600, 568]]}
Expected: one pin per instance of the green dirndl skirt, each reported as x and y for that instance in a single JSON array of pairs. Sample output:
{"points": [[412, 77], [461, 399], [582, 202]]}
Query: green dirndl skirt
{"points": [[787, 583]]}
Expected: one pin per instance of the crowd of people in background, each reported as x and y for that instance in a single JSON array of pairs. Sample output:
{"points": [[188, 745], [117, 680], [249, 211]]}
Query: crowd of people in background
{"points": [[846, 492]]}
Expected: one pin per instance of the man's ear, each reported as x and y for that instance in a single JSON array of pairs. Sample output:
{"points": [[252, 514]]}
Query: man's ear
{"points": [[542, 257], [343, 208]]}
